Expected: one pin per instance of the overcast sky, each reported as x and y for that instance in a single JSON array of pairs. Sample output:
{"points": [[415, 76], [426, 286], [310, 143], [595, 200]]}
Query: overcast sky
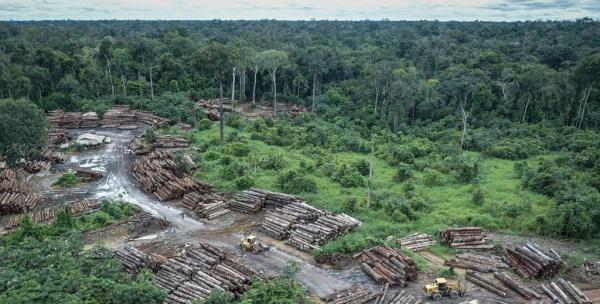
{"points": [[497, 10]]}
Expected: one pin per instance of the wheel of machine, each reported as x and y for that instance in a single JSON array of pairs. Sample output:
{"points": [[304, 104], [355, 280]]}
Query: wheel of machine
{"points": [[436, 296], [453, 294]]}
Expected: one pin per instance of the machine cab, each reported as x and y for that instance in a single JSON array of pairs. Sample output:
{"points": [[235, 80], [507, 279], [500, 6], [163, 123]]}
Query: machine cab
{"points": [[441, 283]]}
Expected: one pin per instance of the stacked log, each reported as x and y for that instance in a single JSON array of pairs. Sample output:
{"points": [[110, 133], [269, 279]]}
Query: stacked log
{"points": [[71, 120], [201, 269], [519, 288], [139, 146], [402, 297], [465, 238], [88, 175], [15, 196], [277, 223], [416, 242], [54, 118], [34, 166], [248, 201], [14, 220], [531, 261], [384, 264], [328, 226], [89, 120], [170, 141], [476, 262], [134, 260], [488, 284], [118, 116], [57, 136], [355, 294], [563, 291], [158, 174], [148, 118], [212, 210], [75, 208], [211, 107]]}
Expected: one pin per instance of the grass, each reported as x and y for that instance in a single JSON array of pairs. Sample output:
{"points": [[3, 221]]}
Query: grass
{"points": [[67, 179], [506, 206]]}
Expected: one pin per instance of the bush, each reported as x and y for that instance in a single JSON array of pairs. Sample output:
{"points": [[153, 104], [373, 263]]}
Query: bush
{"points": [[478, 195], [239, 149], [294, 182], [403, 173], [212, 155], [467, 168], [234, 120], [150, 136], [274, 161], [362, 166], [67, 179], [203, 124], [234, 170], [348, 177], [432, 178], [350, 204], [244, 182]]}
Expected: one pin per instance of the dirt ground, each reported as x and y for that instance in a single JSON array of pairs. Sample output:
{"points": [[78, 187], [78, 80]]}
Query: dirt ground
{"points": [[150, 233]]}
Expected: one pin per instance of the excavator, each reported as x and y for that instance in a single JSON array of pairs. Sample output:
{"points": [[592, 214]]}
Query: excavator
{"points": [[441, 287], [249, 243]]}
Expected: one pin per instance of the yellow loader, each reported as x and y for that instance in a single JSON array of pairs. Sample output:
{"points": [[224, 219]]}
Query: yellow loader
{"points": [[249, 243], [441, 288]]}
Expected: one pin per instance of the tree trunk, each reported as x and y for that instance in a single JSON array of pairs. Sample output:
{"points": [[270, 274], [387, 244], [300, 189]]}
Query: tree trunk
{"points": [[583, 105], [221, 122], [465, 116], [97, 89], [124, 84], [370, 174], [526, 106], [233, 86], [314, 88], [151, 85], [242, 72], [112, 86], [140, 83], [376, 95], [254, 88], [274, 76]]}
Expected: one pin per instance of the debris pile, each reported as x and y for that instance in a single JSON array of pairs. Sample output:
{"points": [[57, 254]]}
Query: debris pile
{"points": [[488, 284], [211, 107], [248, 201], [519, 288], [88, 175], [201, 269], [465, 238], [563, 291], [402, 297], [354, 295], [15, 194], [170, 141], [89, 120], [416, 242], [384, 264], [476, 262], [118, 116], [531, 261], [134, 260]]}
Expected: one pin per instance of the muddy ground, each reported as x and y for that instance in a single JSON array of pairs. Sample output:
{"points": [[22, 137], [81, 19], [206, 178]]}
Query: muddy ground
{"points": [[154, 235]]}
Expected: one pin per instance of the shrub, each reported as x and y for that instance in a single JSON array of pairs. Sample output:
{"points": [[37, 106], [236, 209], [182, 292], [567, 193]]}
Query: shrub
{"points": [[239, 149], [478, 195], [348, 177], [362, 166], [403, 173], [294, 182], [350, 204], [399, 217], [234, 170], [244, 182], [212, 155], [203, 124], [274, 161], [150, 136], [234, 120], [328, 169], [67, 179], [432, 178], [467, 168]]}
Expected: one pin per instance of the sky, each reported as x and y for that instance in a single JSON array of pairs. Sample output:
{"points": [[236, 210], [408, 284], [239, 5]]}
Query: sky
{"points": [[461, 10]]}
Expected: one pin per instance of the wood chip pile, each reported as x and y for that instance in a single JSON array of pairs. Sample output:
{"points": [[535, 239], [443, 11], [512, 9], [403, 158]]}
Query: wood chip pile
{"points": [[201, 269], [476, 262], [211, 107], [465, 238], [487, 283], [15, 195], [386, 265], [170, 141], [88, 175], [402, 297], [89, 120], [565, 292], [134, 260], [416, 242], [531, 261], [516, 286], [248, 201], [356, 294]]}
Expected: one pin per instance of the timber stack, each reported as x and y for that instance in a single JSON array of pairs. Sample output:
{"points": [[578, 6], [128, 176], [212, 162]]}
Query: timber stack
{"points": [[139, 146], [416, 242], [384, 264], [402, 297], [278, 199], [118, 116], [476, 262], [170, 141], [563, 291], [531, 261], [61, 119], [516, 286], [14, 220], [356, 294], [277, 223], [15, 195], [211, 107], [48, 214], [34, 166], [465, 238], [248, 201], [327, 227], [57, 136], [148, 118], [88, 175], [89, 120], [200, 270], [134, 260], [486, 283]]}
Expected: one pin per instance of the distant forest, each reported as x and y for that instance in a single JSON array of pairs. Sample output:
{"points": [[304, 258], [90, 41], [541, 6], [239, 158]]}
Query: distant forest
{"points": [[384, 73]]}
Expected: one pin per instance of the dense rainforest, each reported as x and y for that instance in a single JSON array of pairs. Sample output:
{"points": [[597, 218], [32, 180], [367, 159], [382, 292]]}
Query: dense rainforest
{"points": [[411, 126]]}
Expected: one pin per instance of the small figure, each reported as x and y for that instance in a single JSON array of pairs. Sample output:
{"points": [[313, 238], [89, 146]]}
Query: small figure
{"points": [[182, 215]]}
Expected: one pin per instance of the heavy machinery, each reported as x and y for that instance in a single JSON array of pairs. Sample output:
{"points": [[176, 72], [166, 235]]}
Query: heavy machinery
{"points": [[441, 287], [249, 243]]}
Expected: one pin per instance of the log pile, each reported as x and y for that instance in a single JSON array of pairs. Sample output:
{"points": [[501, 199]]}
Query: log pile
{"points": [[416, 242], [384, 264], [54, 118], [170, 141], [354, 295], [139, 146], [211, 107], [488, 284], [118, 116], [134, 260], [476, 262], [148, 118], [531, 261], [48, 214], [402, 297], [89, 120], [212, 210], [465, 238], [57, 136], [278, 199], [519, 288], [563, 291], [158, 174], [14, 220], [88, 175], [327, 227], [61, 119], [201, 269], [15, 196], [34, 166], [248, 201]]}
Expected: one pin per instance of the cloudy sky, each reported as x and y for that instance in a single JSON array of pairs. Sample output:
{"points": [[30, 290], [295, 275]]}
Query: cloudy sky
{"points": [[497, 10]]}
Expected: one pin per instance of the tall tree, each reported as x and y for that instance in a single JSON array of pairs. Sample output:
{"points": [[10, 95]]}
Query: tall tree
{"points": [[23, 130], [586, 77], [272, 60]]}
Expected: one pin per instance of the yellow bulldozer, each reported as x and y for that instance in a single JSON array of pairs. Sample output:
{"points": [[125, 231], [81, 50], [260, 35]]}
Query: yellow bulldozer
{"points": [[249, 243], [441, 288]]}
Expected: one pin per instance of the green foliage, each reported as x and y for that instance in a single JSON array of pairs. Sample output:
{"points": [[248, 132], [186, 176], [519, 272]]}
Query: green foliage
{"points": [[403, 173], [362, 166], [22, 130], [244, 182], [467, 168], [234, 170], [348, 176], [150, 136], [67, 179], [432, 178], [218, 296], [273, 161], [292, 181], [478, 195], [183, 166], [203, 124], [234, 120], [350, 204]]}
